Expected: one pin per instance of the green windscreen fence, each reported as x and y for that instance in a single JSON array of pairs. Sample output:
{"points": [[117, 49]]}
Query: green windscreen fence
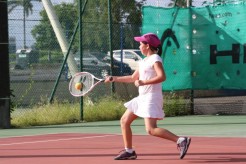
{"points": [[203, 48]]}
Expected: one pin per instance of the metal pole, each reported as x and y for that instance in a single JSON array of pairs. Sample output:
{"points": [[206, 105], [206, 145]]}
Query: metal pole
{"points": [[24, 24], [110, 41], [121, 48], [60, 35], [4, 67], [65, 60], [81, 56], [188, 3], [191, 47]]}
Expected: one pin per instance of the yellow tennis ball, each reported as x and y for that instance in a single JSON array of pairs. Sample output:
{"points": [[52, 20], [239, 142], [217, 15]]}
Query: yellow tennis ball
{"points": [[78, 86]]}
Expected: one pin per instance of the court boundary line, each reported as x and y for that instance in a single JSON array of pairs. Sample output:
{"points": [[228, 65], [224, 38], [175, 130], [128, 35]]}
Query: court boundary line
{"points": [[57, 140], [31, 135]]}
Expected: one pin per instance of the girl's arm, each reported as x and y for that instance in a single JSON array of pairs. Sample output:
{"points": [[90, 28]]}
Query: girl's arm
{"points": [[124, 79]]}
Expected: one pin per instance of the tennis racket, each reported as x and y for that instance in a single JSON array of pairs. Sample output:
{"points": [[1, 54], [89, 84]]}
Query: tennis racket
{"points": [[82, 83]]}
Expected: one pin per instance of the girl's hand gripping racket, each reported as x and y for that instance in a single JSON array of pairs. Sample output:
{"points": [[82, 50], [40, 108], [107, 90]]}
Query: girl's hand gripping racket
{"points": [[82, 83]]}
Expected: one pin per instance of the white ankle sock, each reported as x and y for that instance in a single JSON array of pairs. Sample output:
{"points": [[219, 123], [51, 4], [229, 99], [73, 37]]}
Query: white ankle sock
{"points": [[129, 150]]}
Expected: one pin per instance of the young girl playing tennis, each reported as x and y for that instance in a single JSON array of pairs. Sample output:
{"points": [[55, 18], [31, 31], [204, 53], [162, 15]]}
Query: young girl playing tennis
{"points": [[148, 105]]}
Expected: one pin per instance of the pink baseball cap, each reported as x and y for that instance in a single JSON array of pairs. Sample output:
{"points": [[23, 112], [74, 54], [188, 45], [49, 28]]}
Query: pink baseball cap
{"points": [[151, 38]]}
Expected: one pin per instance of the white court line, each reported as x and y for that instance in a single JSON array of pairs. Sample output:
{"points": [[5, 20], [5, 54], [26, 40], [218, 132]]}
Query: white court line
{"points": [[56, 140]]}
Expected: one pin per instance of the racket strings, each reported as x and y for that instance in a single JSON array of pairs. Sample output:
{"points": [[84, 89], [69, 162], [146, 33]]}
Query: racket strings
{"points": [[87, 82]]}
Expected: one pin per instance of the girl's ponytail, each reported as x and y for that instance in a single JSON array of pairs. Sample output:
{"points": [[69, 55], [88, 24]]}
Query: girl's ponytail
{"points": [[159, 50]]}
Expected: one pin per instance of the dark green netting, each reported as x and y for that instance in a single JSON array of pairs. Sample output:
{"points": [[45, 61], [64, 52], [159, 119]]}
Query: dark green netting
{"points": [[204, 48]]}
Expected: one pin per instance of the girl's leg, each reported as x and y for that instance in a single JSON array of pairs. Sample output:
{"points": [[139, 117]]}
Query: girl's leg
{"points": [[182, 142], [152, 129], [125, 122]]}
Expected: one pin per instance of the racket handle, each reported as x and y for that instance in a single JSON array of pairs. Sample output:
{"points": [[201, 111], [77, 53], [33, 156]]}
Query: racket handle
{"points": [[110, 79]]}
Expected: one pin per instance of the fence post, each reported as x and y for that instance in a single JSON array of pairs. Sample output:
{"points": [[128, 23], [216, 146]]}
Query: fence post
{"points": [[4, 67], [189, 3], [4, 112], [110, 41]]}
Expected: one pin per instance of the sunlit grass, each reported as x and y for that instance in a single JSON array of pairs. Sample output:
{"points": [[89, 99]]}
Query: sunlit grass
{"points": [[105, 109], [62, 113]]}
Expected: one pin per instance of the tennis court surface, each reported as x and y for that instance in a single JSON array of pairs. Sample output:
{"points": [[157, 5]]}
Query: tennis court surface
{"points": [[215, 139]]}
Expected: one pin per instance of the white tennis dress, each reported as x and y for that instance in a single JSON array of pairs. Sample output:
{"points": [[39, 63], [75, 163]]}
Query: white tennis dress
{"points": [[149, 103]]}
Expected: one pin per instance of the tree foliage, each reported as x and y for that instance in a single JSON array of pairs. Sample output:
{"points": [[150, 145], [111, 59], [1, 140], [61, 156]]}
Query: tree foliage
{"points": [[95, 27], [179, 3], [43, 32]]}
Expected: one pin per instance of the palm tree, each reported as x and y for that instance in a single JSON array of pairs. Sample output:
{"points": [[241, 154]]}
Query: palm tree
{"points": [[27, 8]]}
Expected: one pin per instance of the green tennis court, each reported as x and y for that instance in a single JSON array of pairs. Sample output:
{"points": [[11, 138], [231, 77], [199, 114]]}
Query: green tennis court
{"points": [[207, 126]]}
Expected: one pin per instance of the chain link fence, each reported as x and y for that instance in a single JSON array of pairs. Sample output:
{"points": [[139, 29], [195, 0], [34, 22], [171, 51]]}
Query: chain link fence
{"points": [[36, 57]]}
